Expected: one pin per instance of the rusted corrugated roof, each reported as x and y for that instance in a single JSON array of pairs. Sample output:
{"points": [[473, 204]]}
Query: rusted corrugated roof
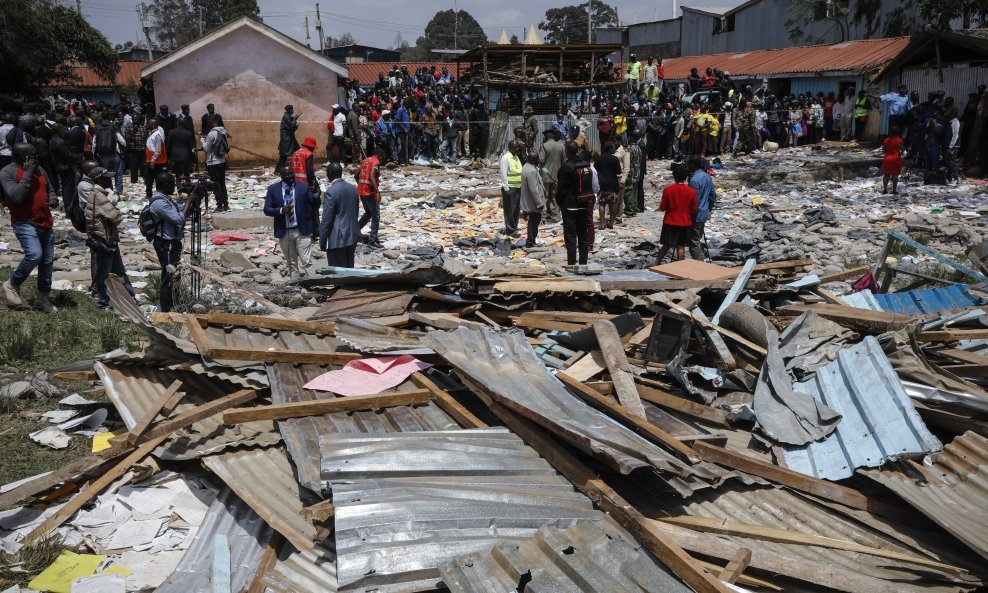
{"points": [[265, 480], [302, 434], [951, 489], [135, 388], [265, 339], [590, 557], [362, 303], [878, 421], [864, 55], [364, 335], [366, 73], [505, 364], [310, 571], [407, 503], [86, 77]]}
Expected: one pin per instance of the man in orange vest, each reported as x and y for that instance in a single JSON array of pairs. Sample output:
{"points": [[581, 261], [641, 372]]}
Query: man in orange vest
{"points": [[155, 155], [369, 190], [302, 164]]}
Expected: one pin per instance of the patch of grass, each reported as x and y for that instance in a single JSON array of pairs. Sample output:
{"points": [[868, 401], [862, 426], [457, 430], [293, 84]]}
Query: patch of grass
{"points": [[28, 562], [900, 249], [8, 405], [933, 270], [152, 290], [17, 340], [111, 334]]}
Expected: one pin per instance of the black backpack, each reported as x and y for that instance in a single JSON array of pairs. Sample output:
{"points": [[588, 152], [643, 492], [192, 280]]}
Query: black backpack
{"points": [[146, 223], [76, 212], [223, 146], [105, 141], [584, 184]]}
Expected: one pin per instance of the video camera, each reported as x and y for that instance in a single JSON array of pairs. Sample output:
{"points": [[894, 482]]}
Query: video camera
{"points": [[197, 186]]}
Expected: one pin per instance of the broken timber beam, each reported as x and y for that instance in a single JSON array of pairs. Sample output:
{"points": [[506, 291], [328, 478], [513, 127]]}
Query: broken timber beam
{"points": [[327, 406], [91, 490], [257, 321], [952, 335], [862, 320], [156, 408], [845, 275], [736, 566], [193, 415], [736, 289], [683, 405], [63, 474], [618, 367], [620, 413], [448, 403]]}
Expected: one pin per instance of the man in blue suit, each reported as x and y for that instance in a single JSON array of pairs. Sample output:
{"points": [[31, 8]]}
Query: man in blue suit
{"points": [[293, 206]]}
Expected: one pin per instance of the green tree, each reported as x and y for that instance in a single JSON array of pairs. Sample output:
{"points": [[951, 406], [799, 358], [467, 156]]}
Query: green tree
{"points": [[805, 12], [450, 29], [344, 39], [569, 23], [39, 39], [177, 22], [939, 13]]}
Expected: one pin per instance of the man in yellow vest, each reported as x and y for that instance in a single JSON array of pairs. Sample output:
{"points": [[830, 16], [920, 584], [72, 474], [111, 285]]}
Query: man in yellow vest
{"points": [[511, 165], [862, 105]]}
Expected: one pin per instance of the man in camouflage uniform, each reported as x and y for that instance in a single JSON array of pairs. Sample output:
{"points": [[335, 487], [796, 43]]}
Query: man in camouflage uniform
{"points": [[531, 128], [746, 127], [634, 175]]}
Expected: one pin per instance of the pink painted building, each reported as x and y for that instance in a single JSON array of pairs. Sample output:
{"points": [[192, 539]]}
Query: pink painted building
{"points": [[250, 71]]}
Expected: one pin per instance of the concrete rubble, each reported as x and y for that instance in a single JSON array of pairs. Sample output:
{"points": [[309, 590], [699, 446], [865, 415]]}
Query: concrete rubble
{"points": [[743, 424]]}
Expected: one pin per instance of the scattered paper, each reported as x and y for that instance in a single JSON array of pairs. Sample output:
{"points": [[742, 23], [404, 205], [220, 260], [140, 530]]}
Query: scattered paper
{"points": [[101, 440], [75, 400], [134, 533], [90, 422], [369, 375], [59, 416], [52, 437], [69, 566], [100, 583]]}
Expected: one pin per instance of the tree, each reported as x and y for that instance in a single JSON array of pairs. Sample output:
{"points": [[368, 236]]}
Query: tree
{"points": [[939, 13], [569, 23], [124, 46], [806, 12], [177, 22], [39, 39], [450, 29], [344, 39]]}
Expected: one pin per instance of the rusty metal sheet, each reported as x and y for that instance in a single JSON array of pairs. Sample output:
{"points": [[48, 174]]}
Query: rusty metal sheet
{"points": [[407, 503], [135, 388], [309, 571], [507, 367], [302, 434], [265, 339], [362, 304], [951, 488], [589, 556], [366, 336], [265, 480]]}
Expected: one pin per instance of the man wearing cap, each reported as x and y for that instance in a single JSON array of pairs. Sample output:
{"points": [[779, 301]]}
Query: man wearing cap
{"points": [[336, 152], [531, 128], [303, 166], [287, 144], [102, 227], [291, 204]]}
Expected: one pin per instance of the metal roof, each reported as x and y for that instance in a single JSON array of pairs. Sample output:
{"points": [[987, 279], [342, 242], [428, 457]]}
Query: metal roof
{"points": [[86, 77], [362, 303], [135, 388], [952, 489], [364, 335], [506, 365], [400, 514], [302, 434], [780, 508], [590, 556], [264, 479], [865, 55], [878, 424], [928, 300], [309, 571], [247, 535], [366, 73]]}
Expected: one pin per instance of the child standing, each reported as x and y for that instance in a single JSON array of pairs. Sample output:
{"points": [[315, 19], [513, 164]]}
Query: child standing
{"points": [[892, 163], [680, 206]]}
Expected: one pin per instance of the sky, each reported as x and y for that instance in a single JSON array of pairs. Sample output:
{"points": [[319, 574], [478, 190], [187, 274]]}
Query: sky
{"points": [[118, 19]]}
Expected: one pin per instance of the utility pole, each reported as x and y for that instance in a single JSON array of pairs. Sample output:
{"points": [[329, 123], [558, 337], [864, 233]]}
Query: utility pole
{"points": [[78, 6], [200, 21], [307, 32], [589, 22], [146, 27], [319, 29], [456, 23]]}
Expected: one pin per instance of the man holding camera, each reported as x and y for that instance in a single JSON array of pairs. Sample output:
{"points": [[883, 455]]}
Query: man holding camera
{"points": [[29, 196], [169, 219], [102, 227]]}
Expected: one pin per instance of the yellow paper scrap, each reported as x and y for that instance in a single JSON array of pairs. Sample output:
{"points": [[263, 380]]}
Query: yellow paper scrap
{"points": [[757, 201], [69, 566], [117, 569], [101, 440]]}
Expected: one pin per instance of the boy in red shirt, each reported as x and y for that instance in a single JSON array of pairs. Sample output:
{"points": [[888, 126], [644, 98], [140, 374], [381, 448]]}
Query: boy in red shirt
{"points": [[680, 206]]}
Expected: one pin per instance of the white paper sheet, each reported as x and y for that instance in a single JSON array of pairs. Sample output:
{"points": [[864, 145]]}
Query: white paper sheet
{"points": [[90, 422], [51, 437], [75, 400], [134, 533], [100, 583]]}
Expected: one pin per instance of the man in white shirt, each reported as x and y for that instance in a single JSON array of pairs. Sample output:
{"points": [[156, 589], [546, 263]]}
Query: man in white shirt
{"points": [[339, 128], [155, 156]]}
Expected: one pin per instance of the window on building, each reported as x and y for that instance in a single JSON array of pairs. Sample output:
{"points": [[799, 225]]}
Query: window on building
{"points": [[723, 24]]}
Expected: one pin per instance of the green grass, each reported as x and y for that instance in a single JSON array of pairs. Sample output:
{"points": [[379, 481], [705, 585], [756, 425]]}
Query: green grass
{"points": [[900, 249], [20, 568]]}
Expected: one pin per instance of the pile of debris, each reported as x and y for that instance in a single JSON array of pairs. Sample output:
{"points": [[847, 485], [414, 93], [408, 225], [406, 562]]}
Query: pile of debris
{"points": [[688, 426]]}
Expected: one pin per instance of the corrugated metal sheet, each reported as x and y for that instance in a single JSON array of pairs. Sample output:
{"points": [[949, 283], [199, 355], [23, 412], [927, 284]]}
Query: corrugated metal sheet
{"points": [[265, 480], [951, 488], [864, 299], [135, 388], [247, 535], [366, 73], [958, 80], [311, 571], [302, 434], [878, 424], [406, 515], [505, 364], [86, 77], [780, 508], [266, 339], [928, 300], [366, 336], [854, 56], [590, 556], [362, 304]]}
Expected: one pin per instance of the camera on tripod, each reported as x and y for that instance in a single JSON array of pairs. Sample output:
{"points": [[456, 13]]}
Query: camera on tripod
{"points": [[197, 186]]}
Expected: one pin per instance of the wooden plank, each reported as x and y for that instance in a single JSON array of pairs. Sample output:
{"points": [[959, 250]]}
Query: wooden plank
{"points": [[662, 546], [76, 376], [785, 536], [565, 316], [268, 560], [488, 321], [952, 335], [193, 415], [448, 403], [220, 578], [967, 370], [63, 474], [828, 296], [319, 512], [588, 367], [541, 286], [684, 406], [142, 425], [318, 407], [736, 289], [257, 321], [172, 403], [294, 356], [845, 275], [639, 425], [618, 367], [91, 490], [963, 356], [736, 566], [444, 321], [796, 481], [691, 269], [743, 579], [863, 320]]}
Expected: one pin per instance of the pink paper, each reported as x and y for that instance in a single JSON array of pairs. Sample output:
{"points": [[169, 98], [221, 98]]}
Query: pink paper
{"points": [[368, 376]]}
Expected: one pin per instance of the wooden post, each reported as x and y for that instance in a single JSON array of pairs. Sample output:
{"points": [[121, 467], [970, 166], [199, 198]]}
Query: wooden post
{"points": [[524, 74], [487, 88], [562, 52]]}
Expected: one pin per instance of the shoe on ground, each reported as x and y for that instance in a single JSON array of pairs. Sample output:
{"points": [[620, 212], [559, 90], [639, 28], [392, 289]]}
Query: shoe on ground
{"points": [[12, 294], [43, 304]]}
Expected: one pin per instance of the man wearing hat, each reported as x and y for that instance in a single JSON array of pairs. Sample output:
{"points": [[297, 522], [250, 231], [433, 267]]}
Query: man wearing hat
{"points": [[102, 227], [287, 144], [304, 169], [531, 127]]}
